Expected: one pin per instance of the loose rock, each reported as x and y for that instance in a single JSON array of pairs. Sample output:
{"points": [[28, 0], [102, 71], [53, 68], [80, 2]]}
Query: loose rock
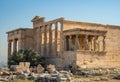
{"points": [[117, 76], [40, 69], [51, 68]]}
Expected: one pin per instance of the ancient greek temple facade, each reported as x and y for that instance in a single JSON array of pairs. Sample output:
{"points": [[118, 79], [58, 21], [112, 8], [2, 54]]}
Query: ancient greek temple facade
{"points": [[64, 42]]}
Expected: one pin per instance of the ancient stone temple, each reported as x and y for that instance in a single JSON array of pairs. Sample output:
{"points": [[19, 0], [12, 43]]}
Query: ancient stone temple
{"points": [[65, 42]]}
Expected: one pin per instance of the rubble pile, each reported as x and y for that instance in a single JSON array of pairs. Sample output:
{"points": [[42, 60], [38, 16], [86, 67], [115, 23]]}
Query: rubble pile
{"points": [[23, 71], [50, 74]]}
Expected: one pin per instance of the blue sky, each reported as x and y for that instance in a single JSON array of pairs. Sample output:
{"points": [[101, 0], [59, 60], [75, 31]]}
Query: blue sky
{"points": [[18, 13]]}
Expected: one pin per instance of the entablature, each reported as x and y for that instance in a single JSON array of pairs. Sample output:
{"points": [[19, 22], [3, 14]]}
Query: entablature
{"points": [[84, 31]]}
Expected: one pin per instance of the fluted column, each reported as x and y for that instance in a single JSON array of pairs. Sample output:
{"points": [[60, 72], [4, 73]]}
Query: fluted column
{"points": [[37, 39], [45, 40], [9, 48], [14, 45], [47, 44], [50, 39], [40, 39], [61, 38], [19, 44], [56, 37]]}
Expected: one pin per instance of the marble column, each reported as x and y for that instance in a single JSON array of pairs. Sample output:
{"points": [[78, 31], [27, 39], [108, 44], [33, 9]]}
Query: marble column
{"points": [[86, 43], [70, 42], [56, 37], [37, 39], [47, 44], [65, 48], [19, 44], [61, 38], [98, 43], [95, 37], [104, 44], [50, 39], [40, 39], [45, 40], [14, 45], [9, 48], [77, 44], [92, 43]]}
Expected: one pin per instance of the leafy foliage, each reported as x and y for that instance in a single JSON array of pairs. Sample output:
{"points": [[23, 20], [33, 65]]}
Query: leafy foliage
{"points": [[28, 55]]}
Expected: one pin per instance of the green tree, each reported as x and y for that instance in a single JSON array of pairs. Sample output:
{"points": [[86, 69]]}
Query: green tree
{"points": [[28, 55]]}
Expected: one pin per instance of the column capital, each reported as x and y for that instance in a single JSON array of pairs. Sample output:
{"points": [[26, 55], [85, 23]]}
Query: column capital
{"points": [[56, 23], [9, 40]]}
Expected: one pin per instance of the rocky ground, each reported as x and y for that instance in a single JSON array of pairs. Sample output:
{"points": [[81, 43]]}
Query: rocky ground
{"points": [[50, 74]]}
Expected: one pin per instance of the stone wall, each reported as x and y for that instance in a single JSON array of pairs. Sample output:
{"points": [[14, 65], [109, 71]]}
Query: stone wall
{"points": [[29, 40], [90, 59], [112, 40], [69, 58]]}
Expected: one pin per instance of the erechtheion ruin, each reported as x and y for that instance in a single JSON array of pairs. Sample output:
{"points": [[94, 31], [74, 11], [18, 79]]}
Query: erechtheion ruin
{"points": [[65, 42]]}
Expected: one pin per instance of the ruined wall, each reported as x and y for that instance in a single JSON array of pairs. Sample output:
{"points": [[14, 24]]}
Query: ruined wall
{"points": [[112, 43], [90, 59], [29, 39], [69, 58]]}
